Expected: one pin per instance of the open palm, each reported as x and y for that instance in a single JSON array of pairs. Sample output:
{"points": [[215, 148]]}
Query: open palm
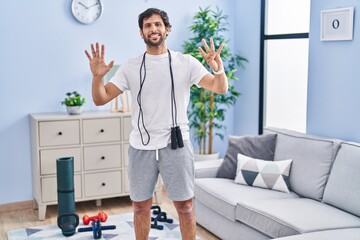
{"points": [[98, 66]]}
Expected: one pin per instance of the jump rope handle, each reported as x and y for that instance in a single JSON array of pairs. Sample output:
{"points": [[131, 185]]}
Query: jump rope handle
{"points": [[179, 138], [176, 138], [174, 143]]}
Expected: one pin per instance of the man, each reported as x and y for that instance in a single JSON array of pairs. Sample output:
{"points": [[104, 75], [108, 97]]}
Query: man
{"points": [[160, 82]]}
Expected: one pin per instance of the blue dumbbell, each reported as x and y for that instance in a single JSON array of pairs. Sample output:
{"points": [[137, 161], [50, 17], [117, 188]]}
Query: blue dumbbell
{"points": [[96, 228]]}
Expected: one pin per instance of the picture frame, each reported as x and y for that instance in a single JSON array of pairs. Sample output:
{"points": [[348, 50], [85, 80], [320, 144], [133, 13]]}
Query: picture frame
{"points": [[337, 24], [124, 102]]}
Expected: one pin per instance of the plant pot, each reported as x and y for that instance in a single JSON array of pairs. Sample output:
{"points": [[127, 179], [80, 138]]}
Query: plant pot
{"points": [[205, 157], [74, 110]]}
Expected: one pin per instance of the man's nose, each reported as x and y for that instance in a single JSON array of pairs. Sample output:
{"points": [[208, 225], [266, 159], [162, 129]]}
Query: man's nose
{"points": [[153, 27]]}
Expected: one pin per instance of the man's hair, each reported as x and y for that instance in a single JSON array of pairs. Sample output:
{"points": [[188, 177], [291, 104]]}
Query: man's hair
{"points": [[149, 12]]}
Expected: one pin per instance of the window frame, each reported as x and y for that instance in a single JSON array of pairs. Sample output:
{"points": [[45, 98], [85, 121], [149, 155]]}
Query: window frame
{"points": [[263, 38]]}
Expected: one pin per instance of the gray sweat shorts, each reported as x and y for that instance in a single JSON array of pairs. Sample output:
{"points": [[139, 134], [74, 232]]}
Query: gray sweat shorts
{"points": [[176, 167]]}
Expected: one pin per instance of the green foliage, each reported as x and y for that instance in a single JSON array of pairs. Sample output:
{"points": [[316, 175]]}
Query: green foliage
{"points": [[73, 99], [208, 109]]}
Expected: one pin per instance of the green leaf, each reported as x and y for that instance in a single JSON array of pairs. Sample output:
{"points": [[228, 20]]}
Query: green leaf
{"points": [[202, 115], [73, 99]]}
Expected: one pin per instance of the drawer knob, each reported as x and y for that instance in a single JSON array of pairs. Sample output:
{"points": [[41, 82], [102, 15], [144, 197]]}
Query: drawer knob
{"points": [[103, 184], [59, 133], [102, 157], [102, 130]]}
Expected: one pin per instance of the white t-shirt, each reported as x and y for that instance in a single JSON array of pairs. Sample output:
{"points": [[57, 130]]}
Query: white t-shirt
{"points": [[156, 95]]}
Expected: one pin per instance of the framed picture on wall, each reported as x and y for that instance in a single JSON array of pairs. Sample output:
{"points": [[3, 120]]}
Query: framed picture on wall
{"points": [[337, 24]]}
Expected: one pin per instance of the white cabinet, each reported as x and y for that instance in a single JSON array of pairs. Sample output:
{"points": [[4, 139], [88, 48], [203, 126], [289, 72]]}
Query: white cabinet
{"points": [[57, 133], [102, 157], [99, 143], [100, 184]]}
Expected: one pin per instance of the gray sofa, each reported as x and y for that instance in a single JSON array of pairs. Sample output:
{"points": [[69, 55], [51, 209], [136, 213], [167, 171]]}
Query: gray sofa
{"points": [[323, 203]]}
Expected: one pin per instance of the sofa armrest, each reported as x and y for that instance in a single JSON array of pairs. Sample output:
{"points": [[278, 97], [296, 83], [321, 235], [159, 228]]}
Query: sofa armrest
{"points": [[207, 169]]}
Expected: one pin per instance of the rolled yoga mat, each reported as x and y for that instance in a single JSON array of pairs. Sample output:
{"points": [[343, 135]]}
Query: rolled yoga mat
{"points": [[67, 219]]}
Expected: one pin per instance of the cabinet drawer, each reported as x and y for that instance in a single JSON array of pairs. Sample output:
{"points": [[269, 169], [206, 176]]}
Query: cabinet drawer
{"points": [[101, 130], [102, 184], [48, 159], [126, 154], [59, 133], [127, 128], [102, 157], [49, 188]]}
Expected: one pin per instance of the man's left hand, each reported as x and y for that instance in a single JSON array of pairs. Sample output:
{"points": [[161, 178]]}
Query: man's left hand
{"points": [[211, 56]]}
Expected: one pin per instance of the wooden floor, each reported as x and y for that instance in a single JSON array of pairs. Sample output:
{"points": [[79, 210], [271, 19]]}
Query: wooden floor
{"points": [[28, 217]]}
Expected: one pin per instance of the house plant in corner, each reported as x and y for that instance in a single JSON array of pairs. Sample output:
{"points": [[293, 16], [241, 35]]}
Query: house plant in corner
{"points": [[73, 102], [207, 109]]}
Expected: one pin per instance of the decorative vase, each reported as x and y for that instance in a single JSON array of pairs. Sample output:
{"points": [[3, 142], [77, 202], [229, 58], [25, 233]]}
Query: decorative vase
{"points": [[204, 157], [74, 110]]}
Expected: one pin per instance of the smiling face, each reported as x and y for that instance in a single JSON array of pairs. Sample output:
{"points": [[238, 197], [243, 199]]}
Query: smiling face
{"points": [[154, 32]]}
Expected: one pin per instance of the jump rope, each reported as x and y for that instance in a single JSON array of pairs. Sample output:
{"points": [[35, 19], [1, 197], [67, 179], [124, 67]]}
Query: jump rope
{"points": [[176, 136]]}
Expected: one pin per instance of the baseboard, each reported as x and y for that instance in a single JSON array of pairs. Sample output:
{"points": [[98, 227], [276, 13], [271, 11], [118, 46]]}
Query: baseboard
{"points": [[16, 206]]}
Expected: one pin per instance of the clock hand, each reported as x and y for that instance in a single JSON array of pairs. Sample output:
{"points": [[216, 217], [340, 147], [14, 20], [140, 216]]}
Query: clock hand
{"points": [[94, 5], [83, 5]]}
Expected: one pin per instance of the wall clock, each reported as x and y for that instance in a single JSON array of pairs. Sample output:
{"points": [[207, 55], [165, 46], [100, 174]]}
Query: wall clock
{"points": [[87, 11]]}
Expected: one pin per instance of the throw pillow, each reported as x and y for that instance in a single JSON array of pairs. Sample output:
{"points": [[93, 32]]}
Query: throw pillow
{"points": [[260, 146], [265, 174]]}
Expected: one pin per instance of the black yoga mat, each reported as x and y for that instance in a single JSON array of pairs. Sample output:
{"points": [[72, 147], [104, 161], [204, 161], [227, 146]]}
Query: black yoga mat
{"points": [[67, 220]]}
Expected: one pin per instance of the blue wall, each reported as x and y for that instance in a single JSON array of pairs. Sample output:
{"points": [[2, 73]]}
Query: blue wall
{"points": [[247, 35], [42, 57], [334, 78]]}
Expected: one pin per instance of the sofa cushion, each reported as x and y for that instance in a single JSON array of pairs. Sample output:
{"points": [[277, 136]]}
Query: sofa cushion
{"points": [[339, 234], [261, 147], [222, 195], [207, 168], [285, 217], [343, 187], [312, 160], [265, 174], [222, 227]]}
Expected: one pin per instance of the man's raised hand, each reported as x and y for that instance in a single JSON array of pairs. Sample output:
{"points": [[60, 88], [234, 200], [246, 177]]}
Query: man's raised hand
{"points": [[211, 56], [97, 63]]}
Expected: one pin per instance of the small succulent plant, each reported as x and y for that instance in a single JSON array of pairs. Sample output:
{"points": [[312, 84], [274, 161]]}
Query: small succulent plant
{"points": [[73, 99]]}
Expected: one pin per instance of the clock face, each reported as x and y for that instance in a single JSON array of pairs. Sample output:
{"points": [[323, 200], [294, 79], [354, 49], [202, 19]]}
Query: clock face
{"points": [[86, 11]]}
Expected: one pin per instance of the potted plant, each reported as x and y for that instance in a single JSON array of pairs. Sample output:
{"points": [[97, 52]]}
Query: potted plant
{"points": [[207, 109], [73, 102]]}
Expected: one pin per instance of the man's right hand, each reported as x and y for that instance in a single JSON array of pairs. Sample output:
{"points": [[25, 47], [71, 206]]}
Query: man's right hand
{"points": [[101, 94], [98, 66]]}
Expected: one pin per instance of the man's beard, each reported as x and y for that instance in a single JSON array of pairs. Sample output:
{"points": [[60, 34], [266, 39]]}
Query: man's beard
{"points": [[154, 44]]}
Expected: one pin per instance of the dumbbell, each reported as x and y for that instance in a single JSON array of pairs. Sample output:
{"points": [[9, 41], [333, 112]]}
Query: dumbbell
{"points": [[96, 228], [101, 216]]}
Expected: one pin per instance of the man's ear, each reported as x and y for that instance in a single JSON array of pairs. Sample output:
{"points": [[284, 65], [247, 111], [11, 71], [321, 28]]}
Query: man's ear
{"points": [[168, 30], [141, 33]]}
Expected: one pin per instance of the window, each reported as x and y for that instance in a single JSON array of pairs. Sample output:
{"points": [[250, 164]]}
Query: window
{"points": [[284, 64]]}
